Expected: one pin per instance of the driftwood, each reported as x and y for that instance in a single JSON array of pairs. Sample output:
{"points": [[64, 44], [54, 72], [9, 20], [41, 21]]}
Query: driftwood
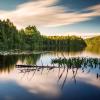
{"points": [[30, 66]]}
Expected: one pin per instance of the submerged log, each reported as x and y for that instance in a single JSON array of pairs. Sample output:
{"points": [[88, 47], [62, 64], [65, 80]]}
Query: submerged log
{"points": [[19, 66], [28, 66]]}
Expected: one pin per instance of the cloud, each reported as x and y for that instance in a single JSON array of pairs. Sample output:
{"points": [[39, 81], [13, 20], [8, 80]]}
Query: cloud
{"points": [[46, 13], [94, 8]]}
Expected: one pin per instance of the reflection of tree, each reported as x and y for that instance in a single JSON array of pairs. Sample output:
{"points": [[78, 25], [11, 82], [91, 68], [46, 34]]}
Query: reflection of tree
{"points": [[30, 59], [77, 63], [8, 62], [62, 49], [64, 79], [59, 77], [63, 66]]}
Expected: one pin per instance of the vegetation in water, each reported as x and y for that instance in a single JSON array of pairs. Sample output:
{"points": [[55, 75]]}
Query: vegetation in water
{"points": [[77, 62], [88, 65]]}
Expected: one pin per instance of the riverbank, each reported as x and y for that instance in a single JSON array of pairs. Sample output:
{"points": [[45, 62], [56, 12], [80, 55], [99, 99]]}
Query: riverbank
{"points": [[5, 53]]}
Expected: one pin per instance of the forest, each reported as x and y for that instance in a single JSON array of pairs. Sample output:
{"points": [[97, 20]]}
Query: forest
{"points": [[31, 39], [93, 44]]}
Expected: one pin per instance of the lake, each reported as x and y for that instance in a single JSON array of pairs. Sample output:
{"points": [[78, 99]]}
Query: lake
{"points": [[78, 81]]}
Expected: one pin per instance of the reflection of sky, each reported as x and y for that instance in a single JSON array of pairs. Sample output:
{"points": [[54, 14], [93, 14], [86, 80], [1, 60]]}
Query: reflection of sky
{"points": [[46, 82], [46, 58], [50, 82]]}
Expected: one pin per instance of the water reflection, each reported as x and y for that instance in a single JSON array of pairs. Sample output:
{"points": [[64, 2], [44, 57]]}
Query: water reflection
{"points": [[75, 64], [8, 63], [56, 75]]}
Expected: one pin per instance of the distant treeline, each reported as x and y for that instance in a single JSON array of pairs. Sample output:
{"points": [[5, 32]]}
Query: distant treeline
{"points": [[30, 39], [68, 43], [93, 44]]}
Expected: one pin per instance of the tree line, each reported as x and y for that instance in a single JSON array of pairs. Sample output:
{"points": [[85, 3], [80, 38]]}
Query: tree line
{"points": [[30, 39], [12, 38], [68, 43], [93, 44]]}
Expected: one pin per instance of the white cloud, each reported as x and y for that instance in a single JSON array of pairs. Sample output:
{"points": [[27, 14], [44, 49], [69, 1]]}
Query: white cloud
{"points": [[43, 13]]}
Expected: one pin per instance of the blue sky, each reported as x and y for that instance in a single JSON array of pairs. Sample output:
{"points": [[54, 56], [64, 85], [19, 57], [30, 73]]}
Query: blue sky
{"points": [[54, 17]]}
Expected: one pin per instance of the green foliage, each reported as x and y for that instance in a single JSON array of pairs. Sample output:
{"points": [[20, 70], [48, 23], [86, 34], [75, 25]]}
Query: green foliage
{"points": [[11, 38], [93, 44], [8, 35], [77, 62], [30, 39], [69, 43]]}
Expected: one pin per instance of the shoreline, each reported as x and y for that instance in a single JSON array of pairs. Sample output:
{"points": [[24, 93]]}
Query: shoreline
{"points": [[6, 53]]}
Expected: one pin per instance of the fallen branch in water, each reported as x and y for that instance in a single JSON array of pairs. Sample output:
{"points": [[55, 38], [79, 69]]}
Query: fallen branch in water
{"points": [[27, 66]]}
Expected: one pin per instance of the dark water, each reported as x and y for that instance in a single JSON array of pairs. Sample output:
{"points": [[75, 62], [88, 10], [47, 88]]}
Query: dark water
{"points": [[77, 82]]}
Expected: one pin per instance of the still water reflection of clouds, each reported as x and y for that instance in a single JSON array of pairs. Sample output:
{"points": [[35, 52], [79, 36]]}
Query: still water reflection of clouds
{"points": [[55, 83]]}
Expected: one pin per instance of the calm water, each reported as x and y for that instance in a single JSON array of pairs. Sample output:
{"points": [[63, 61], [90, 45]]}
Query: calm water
{"points": [[59, 83]]}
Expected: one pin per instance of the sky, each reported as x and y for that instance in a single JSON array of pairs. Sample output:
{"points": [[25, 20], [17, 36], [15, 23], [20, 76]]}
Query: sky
{"points": [[54, 17]]}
